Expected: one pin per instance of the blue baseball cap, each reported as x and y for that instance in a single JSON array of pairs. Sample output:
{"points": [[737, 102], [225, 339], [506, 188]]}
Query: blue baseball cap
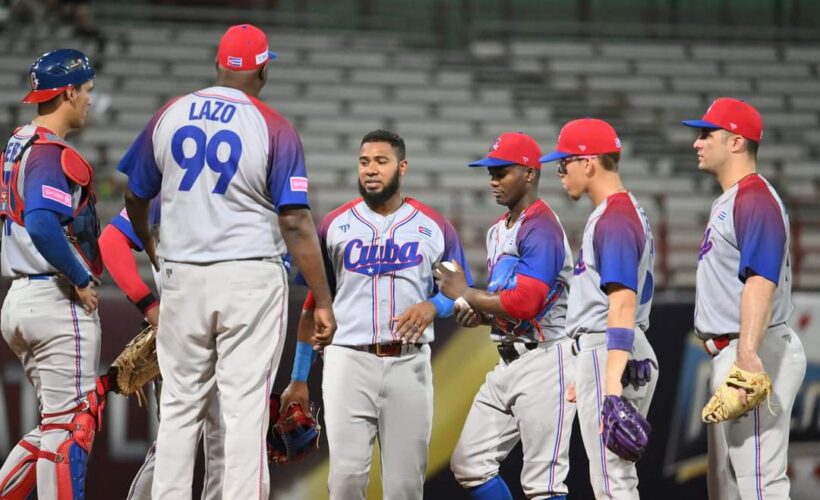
{"points": [[53, 72]]}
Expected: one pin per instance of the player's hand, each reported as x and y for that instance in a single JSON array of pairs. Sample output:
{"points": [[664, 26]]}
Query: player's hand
{"points": [[88, 297], [468, 317], [571, 396], [751, 363], [296, 392], [453, 284], [324, 328], [152, 316], [410, 324]]}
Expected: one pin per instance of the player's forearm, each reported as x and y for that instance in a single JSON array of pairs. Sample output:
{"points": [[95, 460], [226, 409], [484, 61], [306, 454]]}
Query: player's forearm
{"points": [[121, 264], [620, 335], [755, 314], [304, 331], [138, 210], [299, 234], [484, 301]]}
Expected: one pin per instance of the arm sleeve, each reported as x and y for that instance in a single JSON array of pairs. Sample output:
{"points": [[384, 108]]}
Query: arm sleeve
{"points": [[287, 175], [526, 299], [619, 242], [46, 186], [760, 232], [122, 266], [43, 227], [310, 302]]}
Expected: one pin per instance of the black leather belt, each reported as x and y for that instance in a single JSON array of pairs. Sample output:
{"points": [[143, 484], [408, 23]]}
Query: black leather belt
{"points": [[509, 351]]}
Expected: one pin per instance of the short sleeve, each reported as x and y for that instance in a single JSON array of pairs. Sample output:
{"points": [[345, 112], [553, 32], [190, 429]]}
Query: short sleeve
{"points": [[287, 177], [453, 250], [541, 250], [140, 163], [619, 242], [123, 223], [45, 185], [760, 231]]}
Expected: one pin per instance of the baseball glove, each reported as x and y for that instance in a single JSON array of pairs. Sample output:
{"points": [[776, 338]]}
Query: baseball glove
{"points": [[293, 434], [136, 365], [725, 403], [625, 431]]}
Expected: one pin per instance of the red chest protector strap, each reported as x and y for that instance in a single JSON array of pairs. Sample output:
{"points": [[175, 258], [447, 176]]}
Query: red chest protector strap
{"points": [[74, 166]]}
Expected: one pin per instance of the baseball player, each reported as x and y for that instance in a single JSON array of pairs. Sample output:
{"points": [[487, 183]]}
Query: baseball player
{"points": [[380, 251], [524, 397], [116, 244], [743, 302], [227, 167], [49, 250], [608, 305]]}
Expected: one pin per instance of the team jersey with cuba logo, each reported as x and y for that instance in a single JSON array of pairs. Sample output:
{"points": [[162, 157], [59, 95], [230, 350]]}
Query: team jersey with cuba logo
{"points": [[534, 247], [224, 163], [379, 266], [747, 234], [617, 248], [42, 183]]}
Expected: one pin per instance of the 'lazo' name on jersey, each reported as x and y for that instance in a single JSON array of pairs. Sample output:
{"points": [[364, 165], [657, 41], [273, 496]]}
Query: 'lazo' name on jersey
{"points": [[216, 111]]}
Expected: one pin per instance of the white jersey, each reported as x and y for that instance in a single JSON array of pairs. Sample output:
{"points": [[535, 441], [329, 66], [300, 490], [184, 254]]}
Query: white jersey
{"points": [[379, 266], [225, 163], [43, 185], [535, 247], [617, 248], [747, 234]]}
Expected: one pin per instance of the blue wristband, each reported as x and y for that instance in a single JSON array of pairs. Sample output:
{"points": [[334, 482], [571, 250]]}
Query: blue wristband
{"points": [[621, 339], [444, 305], [302, 361]]}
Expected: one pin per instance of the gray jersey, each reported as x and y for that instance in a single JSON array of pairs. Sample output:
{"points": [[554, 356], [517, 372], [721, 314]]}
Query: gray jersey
{"points": [[617, 248], [747, 234], [535, 247], [225, 164], [380, 265]]}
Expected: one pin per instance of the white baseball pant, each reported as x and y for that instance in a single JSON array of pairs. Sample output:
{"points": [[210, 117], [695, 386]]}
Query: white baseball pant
{"points": [[611, 476], [748, 456], [525, 401], [221, 326], [368, 397]]}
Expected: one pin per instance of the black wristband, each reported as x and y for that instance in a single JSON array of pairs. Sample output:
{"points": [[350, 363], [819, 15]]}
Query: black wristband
{"points": [[145, 302]]}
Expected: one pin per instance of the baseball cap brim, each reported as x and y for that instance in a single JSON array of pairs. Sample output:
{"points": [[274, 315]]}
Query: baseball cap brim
{"points": [[557, 155], [271, 55], [700, 124], [38, 96], [491, 162]]}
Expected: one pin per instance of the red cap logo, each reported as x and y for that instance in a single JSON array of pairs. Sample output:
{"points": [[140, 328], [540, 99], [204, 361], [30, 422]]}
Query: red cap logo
{"points": [[243, 47]]}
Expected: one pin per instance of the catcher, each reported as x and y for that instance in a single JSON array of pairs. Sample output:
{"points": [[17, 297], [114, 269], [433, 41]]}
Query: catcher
{"points": [[743, 301], [137, 365]]}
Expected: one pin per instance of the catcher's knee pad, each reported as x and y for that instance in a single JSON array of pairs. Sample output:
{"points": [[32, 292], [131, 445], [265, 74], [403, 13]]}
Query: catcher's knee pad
{"points": [[22, 478], [71, 457]]}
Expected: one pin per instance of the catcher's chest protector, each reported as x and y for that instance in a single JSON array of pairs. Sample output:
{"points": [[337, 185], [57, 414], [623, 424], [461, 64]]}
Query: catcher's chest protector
{"points": [[84, 229]]}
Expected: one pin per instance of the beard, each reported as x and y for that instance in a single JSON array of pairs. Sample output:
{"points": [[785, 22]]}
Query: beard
{"points": [[378, 198]]}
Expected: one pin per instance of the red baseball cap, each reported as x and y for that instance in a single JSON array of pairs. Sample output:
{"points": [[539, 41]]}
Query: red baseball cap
{"points": [[243, 47], [736, 116], [511, 148], [585, 136]]}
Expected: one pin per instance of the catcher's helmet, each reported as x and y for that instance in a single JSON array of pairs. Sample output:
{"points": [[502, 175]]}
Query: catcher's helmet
{"points": [[53, 72]]}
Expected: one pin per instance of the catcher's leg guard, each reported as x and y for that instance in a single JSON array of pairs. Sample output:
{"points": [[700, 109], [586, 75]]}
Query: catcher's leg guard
{"points": [[71, 457], [22, 478]]}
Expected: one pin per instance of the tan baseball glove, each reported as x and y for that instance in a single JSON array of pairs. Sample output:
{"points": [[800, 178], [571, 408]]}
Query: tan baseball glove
{"points": [[137, 364], [725, 403]]}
